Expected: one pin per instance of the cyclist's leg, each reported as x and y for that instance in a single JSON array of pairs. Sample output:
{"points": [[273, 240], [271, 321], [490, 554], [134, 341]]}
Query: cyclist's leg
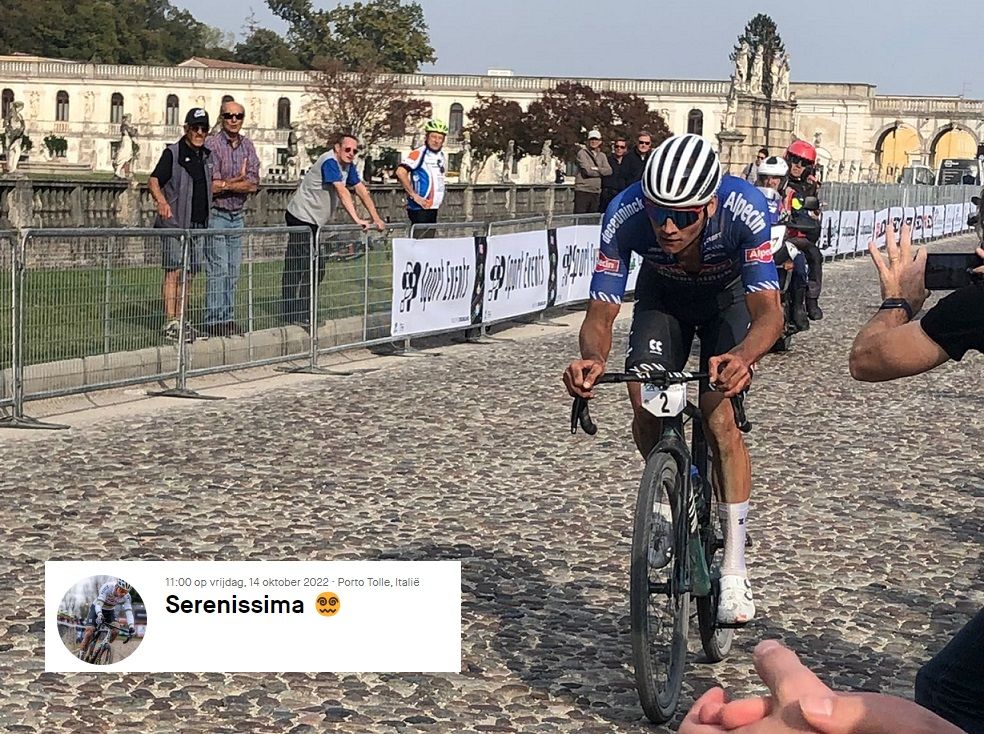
{"points": [[656, 339], [90, 627], [732, 466], [952, 683]]}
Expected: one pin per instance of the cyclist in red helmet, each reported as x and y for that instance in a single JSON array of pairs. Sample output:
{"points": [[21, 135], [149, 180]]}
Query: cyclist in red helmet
{"points": [[802, 182]]}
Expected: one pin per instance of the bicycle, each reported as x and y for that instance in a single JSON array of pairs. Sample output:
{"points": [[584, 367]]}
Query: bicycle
{"points": [[99, 651], [680, 477]]}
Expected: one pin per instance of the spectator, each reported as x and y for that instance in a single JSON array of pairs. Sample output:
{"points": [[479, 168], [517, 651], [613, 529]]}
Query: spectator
{"points": [[951, 685], [235, 175], [750, 173], [421, 174], [613, 183], [323, 186], [180, 188], [591, 166], [635, 159]]}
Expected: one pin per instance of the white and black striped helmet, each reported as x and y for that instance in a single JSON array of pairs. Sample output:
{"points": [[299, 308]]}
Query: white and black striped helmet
{"points": [[684, 171]]}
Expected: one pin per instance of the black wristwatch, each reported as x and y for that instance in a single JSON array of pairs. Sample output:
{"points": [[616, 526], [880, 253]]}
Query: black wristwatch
{"points": [[897, 303]]}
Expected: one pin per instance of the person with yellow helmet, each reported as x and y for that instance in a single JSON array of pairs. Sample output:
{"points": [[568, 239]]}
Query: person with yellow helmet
{"points": [[422, 174]]}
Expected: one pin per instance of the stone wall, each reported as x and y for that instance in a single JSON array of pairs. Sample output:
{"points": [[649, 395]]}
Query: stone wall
{"points": [[35, 203]]}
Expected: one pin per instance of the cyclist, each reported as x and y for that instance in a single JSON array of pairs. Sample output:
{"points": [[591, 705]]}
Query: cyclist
{"points": [[111, 594], [707, 269], [802, 182], [770, 181], [421, 174]]}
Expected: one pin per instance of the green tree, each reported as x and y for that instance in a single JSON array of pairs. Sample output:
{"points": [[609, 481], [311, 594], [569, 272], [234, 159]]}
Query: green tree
{"points": [[386, 34], [266, 48], [762, 35], [629, 114], [564, 115]]}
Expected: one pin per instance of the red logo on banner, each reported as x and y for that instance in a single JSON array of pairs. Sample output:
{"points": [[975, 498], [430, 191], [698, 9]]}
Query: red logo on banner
{"points": [[760, 254], [607, 264]]}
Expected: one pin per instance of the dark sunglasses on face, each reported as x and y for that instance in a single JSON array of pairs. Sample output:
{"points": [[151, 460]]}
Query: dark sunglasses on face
{"points": [[201, 129], [619, 145], [233, 115], [682, 218], [795, 160], [760, 157], [350, 150], [644, 142]]}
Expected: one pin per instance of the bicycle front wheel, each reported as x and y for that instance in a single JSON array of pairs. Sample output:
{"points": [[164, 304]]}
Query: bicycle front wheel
{"points": [[105, 656], [659, 603]]}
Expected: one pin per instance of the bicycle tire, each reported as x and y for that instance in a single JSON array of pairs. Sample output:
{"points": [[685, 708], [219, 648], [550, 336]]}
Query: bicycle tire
{"points": [[105, 656], [715, 641], [659, 681]]}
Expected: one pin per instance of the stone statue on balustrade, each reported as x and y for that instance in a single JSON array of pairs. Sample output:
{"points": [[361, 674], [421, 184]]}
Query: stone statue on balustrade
{"points": [[127, 149], [545, 172], [755, 78], [741, 67], [13, 136], [780, 79], [292, 164], [464, 168], [731, 110], [507, 161]]}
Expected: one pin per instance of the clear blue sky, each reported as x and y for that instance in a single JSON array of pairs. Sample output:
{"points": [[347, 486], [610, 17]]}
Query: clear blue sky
{"points": [[904, 47]]}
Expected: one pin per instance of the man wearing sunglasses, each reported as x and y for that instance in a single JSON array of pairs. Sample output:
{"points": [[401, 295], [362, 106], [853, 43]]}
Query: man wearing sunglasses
{"points": [[707, 271], [614, 182], [180, 187], [325, 184], [635, 159], [235, 175]]}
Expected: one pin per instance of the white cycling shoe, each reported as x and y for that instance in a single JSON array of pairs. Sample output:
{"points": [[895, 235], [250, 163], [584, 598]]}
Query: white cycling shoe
{"points": [[735, 605]]}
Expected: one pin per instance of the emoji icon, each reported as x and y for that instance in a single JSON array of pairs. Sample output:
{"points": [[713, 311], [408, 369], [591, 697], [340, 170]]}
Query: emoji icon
{"points": [[327, 604]]}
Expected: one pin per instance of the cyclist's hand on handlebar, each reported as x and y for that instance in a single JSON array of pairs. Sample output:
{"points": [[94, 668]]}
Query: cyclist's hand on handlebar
{"points": [[580, 376], [729, 373]]}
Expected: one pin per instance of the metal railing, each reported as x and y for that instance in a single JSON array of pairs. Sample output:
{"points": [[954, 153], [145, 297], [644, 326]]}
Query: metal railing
{"points": [[86, 309], [859, 197]]}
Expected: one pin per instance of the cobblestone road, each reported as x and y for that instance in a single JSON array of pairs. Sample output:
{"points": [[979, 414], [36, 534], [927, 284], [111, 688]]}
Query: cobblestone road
{"points": [[867, 514]]}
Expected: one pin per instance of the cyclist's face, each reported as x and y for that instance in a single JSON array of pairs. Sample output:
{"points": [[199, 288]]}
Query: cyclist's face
{"points": [[674, 239], [435, 141], [120, 591]]}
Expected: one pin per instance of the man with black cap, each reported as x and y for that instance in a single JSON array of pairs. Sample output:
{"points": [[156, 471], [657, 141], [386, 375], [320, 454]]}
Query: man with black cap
{"points": [[181, 188]]}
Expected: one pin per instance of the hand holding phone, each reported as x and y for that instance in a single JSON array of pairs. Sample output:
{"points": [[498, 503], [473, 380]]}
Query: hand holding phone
{"points": [[951, 270]]}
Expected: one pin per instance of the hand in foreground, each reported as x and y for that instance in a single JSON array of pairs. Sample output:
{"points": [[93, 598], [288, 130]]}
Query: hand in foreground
{"points": [[800, 702], [580, 376], [901, 274], [729, 373]]}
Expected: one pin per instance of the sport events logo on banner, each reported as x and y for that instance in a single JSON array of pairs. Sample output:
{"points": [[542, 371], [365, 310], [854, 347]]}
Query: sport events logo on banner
{"points": [[433, 284], [577, 250], [516, 275]]}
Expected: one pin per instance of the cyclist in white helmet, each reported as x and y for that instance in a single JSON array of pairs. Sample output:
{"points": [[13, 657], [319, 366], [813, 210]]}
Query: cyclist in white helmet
{"points": [[707, 271], [112, 594]]}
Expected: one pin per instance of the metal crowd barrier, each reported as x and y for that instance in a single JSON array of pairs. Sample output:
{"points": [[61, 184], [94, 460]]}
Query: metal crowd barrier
{"points": [[83, 309], [859, 197]]}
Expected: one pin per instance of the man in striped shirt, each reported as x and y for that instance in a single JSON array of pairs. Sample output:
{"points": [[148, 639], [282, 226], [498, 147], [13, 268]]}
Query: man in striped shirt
{"points": [[235, 175]]}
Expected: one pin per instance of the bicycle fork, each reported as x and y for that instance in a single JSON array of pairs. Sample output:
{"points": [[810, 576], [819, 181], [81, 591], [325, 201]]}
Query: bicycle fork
{"points": [[700, 574]]}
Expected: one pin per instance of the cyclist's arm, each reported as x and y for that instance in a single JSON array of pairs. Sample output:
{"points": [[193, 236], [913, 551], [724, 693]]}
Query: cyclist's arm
{"points": [[595, 338], [128, 608], [766, 327]]}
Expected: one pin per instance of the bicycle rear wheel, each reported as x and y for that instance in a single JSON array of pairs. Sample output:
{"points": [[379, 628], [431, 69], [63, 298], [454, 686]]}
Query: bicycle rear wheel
{"points": [[659, 605], [716, 641]]}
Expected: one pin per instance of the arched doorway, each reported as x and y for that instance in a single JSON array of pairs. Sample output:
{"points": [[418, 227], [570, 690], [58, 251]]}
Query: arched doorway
{"points": [[954, 142], [896, 147]]}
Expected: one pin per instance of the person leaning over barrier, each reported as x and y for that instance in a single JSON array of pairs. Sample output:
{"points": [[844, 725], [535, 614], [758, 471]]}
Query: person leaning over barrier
{"points": [[949, 687], [180, 187], [421, 174], [235, 175], [323, 186]]}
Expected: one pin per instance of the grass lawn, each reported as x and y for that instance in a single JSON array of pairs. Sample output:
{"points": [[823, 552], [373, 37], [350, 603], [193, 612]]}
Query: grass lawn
{"points": [[83, 312]]}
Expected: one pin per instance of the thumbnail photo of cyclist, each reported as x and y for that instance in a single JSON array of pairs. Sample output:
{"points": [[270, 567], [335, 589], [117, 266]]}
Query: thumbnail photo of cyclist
{"points": [[102, 619]]}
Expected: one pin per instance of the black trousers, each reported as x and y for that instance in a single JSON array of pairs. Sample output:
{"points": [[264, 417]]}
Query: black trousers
{"points": [[296, 283], [814, 259], [952, 683], [423, 216]]}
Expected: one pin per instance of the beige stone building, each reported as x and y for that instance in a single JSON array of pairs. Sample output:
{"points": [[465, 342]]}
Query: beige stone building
{"points": [[861, 135]]}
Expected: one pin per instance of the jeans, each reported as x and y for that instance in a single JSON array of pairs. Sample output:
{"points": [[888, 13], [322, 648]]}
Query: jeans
{"points": [[952, 683], [223, 256]]}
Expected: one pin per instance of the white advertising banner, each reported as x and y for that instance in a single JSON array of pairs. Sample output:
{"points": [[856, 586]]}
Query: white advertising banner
{"points": [[897, 215], [909, 217], [829, 231], [881, 226], [516, 275], [939, 213], [950, 219], [918, 223], [847, 236], [433, 284], [577, 252], [866, 229], [968, 210]]}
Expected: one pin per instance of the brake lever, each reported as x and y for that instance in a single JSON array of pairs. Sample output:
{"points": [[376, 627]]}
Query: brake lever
{"points": [[581, 416]]}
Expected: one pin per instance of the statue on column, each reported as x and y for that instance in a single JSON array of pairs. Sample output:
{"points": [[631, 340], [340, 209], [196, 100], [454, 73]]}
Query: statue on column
{"points": [[292, 163], [755, 79], [13, 136], [464, 168], [546, 162], [507, 161], [741, 66], [731, 110], [127, 149]]}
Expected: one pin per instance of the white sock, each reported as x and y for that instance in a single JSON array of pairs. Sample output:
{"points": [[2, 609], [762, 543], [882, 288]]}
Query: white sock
{"points": [[733, 516]]}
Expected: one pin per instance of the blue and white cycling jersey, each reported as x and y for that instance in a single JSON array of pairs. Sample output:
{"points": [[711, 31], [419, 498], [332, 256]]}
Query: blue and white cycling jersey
{"points": [[735, 243], [107, 599]]}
